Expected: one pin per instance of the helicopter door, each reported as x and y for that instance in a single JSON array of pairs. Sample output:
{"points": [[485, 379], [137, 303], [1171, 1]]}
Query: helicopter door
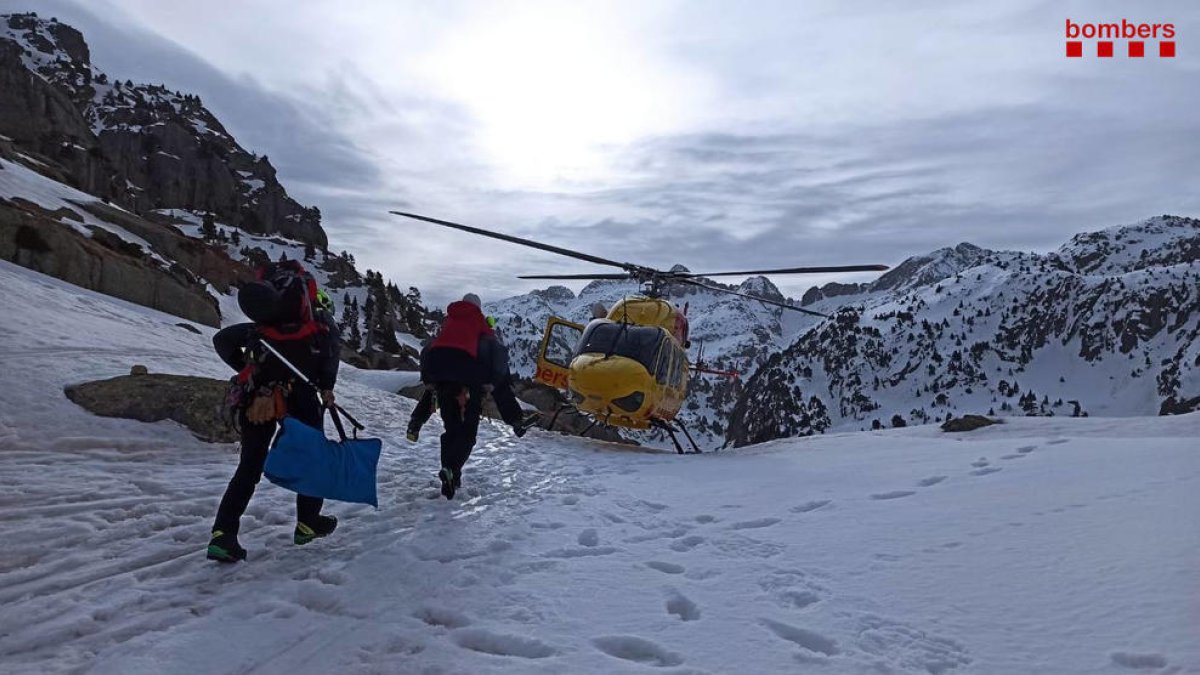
{"points": [[556, 350]]}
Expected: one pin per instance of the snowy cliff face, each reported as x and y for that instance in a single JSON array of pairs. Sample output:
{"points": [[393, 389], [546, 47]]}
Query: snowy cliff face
{"points": [[1107, 324], [140, 145]]}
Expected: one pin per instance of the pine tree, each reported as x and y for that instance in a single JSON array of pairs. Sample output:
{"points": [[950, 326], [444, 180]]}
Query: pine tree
{"points": [[208, 228]]}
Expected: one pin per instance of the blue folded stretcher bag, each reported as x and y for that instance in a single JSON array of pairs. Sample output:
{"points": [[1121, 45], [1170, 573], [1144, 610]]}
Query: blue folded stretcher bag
{"points": [[303, 460]]}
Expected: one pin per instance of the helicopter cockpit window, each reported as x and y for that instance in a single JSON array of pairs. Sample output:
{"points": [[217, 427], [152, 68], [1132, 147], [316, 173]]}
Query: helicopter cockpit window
{"points": [[639, 343], [561, 347], [678, 368], [662, 369]]}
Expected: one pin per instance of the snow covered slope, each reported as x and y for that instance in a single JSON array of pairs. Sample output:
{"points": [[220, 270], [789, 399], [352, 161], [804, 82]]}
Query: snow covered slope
{"points": [[1050, 545]]}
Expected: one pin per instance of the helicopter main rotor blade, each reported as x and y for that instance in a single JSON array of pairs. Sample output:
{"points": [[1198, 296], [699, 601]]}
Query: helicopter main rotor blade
{"points": [[518, 240], [605, 277], [768, 301], [792, 270]]}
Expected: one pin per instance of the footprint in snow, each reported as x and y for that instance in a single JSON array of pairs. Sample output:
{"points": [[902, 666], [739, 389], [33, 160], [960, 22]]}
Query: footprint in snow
{"points": [[980, 463], [930, 481], [499, 644], [985, 471], [589, 537], [1058, 441], [638, 650], [810, 506], [442, 617], [704, 519], [1139, 660], [682, 607], [580, 552], [1026, 449], [1015, 455], [687, 543], [754, 524], [665, 567], [798, 599], [802, 637], [894, 494]]}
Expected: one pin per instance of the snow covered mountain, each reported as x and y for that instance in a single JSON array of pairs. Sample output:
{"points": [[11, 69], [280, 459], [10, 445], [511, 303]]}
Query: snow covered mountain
{"points": [[1107, 324], [1049, 545]]}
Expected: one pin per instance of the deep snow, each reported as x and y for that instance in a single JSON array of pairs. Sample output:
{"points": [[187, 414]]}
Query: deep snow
{"points": [[1039, 546]]}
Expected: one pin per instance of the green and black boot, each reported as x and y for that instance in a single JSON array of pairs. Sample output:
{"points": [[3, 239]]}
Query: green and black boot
{"points": [[322, 526], [225, 548], [450, 482]]}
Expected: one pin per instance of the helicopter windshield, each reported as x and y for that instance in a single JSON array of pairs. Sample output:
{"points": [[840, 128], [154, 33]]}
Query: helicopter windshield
{"points": [[639, 343]]}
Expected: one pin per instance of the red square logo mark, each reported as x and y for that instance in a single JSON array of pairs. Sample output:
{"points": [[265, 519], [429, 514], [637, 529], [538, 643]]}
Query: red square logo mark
{"points": [[1075, 49], [1137, 50], [1104, 50], [1166, 49]]}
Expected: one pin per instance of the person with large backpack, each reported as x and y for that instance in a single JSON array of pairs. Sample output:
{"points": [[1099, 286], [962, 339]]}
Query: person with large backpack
{"points": [[282, 304], [451, 365], [492, 358]]}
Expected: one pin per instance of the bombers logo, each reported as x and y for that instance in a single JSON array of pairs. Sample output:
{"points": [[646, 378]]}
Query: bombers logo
{"points": [[1134, 36]]}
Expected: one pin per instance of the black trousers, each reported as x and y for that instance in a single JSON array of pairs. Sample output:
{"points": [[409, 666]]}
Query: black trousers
{"points": [[506, 402], [423, 411], [461, 420], [303, 405]]}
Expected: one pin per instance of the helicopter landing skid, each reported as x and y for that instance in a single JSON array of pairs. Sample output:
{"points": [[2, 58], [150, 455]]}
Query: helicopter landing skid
{"points": [[670, 429]]}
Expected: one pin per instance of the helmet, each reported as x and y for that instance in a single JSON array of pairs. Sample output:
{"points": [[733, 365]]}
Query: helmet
{"points": [[324, 301]]}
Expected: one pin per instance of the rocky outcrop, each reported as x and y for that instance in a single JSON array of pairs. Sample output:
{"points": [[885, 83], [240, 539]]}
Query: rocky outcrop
{"points": [[967, 423], [33, 238], [142, 146], [194, 402]]}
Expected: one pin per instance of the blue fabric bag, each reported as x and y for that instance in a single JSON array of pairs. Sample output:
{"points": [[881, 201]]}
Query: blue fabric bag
{"points": [[303, 460]]}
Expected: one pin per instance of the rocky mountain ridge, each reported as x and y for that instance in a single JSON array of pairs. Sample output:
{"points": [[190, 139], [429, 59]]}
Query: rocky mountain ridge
{"points": [[1107, 324], [142, 146]]}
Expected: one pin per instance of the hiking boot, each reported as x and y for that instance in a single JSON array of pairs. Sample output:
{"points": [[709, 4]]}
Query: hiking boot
{"points": [[320, 527], [413, 434], [529, 422], [450, 482], [225, 548]]}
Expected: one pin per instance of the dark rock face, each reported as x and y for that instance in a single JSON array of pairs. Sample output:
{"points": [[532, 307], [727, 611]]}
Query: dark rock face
{"points": [[194, 402], [830, 290], [31, 238], [142, 146]]}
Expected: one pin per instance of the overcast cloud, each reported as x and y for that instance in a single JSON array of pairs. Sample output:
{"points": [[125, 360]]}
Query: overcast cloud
{"points": [[716, 134]]}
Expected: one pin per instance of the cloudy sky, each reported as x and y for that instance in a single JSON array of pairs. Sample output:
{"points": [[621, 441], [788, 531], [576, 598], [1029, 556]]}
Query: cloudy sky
{"points": [[721, 135]]}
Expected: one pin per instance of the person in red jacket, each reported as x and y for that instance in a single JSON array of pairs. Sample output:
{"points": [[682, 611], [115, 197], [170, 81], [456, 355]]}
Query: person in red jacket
{"points": [[452, 365]]}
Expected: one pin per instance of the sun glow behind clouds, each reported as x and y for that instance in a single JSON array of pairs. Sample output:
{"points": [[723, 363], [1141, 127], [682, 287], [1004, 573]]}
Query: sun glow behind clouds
{"points": [[551, 85]]}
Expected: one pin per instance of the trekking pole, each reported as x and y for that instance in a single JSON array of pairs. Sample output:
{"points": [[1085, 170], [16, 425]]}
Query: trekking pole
{"points": [[304, 378]]}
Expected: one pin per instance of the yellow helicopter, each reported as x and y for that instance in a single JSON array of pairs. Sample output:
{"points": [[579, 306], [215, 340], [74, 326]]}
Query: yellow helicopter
{"points": [[630, 367]]}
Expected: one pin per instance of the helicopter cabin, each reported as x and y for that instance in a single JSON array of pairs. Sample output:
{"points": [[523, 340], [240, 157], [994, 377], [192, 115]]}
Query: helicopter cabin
{"points": [[626, 369]]}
